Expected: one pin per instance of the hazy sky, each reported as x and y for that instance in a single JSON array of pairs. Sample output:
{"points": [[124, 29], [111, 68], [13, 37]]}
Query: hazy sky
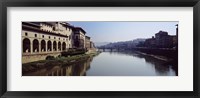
{"points": [[124, 31]]}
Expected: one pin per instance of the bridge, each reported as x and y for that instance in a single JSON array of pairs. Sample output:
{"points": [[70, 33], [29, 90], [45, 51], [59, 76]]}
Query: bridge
{"points": [[109, 49]]}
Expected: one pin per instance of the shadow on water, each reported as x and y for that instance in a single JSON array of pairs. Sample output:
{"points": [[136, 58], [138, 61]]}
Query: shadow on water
{"points": [[159, 67], [76, 69]]}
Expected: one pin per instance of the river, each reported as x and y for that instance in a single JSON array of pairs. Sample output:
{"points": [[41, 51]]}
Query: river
{"points": [[112, 64]]}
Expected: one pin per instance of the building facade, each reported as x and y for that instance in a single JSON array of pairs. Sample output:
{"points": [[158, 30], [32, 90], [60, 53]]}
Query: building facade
{"points": [[79, 37], [161, 40], [42, 39], [87, 42]]}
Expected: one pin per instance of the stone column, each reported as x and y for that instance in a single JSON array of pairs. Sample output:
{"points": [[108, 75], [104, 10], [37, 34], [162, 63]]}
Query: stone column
{"points": [[40, 49], [61, 46], [31, 46], [46, 46], [67, 44], [52, 46], [57, 46]]}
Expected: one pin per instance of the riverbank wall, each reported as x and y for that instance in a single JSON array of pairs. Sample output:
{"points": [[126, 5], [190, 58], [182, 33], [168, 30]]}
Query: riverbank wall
{"points": [[27, 58], [34, 66], [92, 50], [170, 53]]}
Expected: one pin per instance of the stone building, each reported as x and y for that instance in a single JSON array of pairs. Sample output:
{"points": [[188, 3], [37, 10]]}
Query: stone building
{"points": [[42, 39], [92, 46], [161, 40], [87, 42], [151, 42], [79, 37]]}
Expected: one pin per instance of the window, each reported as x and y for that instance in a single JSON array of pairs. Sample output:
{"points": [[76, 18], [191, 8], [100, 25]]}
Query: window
{"points": [[35, 35], [26, 34], [54, 28], [42, 36], [69, 37], [54, 37], [49, 37]]}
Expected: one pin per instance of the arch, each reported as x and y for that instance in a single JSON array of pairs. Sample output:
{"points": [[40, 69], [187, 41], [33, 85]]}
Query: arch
{"points": [[43, 46], [26, 45], [59, 46], [49, 46], [63, 46], [35, 45], [54, 45]]}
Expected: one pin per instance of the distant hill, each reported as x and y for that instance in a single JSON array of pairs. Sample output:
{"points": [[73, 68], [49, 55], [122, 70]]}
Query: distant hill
{"points": [[98, 44], [122, 44]]}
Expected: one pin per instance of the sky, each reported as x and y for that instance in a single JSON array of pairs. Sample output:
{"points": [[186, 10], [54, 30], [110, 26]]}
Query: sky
{"points": [[123, 31]]}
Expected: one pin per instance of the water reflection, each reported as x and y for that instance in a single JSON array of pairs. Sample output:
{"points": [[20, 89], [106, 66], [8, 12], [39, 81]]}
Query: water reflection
{"points": [[161, 67], [76, 69], [130, 63], [124, 63]]}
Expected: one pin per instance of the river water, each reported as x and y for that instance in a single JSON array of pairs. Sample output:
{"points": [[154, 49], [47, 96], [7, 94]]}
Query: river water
{"points": [[112, 64]]}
